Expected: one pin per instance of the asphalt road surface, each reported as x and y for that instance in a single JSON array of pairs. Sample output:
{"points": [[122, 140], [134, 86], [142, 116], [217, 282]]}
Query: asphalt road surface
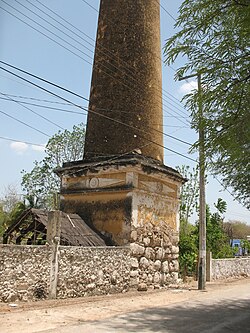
{"points": [[223, 308]]}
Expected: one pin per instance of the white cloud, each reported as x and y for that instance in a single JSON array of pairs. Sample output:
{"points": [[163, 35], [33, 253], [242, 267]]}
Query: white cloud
{"points": [[38, 148], [19, 147], [187, 87]]}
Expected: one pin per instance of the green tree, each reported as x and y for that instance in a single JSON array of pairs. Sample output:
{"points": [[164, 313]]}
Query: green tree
{"points": [[41, 183], [188, 249], [213, 38], [217, 239], [10, 197], [237, 229], [8, 217], [189, 192]]}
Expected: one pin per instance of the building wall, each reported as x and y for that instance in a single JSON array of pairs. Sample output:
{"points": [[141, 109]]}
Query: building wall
{"points": [[230, 268]]}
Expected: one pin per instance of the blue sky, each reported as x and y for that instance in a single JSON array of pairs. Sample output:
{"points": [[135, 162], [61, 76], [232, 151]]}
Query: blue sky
{"points": [[26, 48]]}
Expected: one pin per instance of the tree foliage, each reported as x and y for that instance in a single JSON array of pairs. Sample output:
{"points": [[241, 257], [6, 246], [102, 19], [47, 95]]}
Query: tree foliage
{"points": [[189, 192], [188, 250], [10, 198], [11, 207], [41, 183], [217, 240], [8, 217], [237, 229], [213, 38]]}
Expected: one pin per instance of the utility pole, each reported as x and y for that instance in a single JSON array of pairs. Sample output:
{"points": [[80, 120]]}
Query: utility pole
{"points": [[202, 198]]}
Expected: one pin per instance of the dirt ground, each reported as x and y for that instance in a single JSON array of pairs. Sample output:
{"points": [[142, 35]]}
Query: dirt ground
{"points": [[49, 314]]}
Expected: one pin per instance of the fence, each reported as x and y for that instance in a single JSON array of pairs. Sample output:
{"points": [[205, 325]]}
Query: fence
{"points": [[218, 269]]}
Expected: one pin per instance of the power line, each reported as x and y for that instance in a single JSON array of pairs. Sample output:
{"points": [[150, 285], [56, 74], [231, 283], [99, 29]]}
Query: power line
{"points": [[90, 5], [65, 110], [35, 99], [166, 11], [101, 115], [43, 80], [169, 14], [112, 56], [67, 48], [36, 113], [164, 91], [60, 39], [26, 142], [65, 41], [87, 3], [48, 82], [55, 85], [97, 11], [22, 122], [50, 107]]}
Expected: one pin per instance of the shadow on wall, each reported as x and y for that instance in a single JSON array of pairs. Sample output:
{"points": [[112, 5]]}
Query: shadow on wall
{"points": [[233, 316]]}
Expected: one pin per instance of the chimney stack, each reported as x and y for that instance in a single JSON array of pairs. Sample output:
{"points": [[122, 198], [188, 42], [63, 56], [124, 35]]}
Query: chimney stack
{"points": [[125, 109]]}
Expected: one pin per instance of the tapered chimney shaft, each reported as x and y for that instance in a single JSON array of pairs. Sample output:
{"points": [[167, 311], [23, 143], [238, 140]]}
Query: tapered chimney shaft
{"points": [[125, 109]]}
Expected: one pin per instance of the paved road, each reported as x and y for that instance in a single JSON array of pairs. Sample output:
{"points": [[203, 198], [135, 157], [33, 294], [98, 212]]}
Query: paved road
{"points": [[221, 310]]}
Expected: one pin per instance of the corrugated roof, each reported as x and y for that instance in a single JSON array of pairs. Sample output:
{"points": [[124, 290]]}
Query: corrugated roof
{"points": [[74, 231]]}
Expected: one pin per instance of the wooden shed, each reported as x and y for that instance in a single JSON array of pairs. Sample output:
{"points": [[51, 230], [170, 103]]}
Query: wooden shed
{"points": [[31, 229]]}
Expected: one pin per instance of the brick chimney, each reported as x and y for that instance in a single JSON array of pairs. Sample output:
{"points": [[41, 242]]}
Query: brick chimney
{"points": [[125, 109]]}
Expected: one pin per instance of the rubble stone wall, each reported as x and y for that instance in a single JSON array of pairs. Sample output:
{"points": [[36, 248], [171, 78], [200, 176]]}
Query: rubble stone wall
{"points": [[154, 241], [93, 271], [230, 268], [151, 261], [25, 271]]}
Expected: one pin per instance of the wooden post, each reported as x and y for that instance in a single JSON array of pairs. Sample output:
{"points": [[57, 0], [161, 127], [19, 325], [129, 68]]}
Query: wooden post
{"points": [[209, 273], [202, 197], [202, 203], [53, 238]]}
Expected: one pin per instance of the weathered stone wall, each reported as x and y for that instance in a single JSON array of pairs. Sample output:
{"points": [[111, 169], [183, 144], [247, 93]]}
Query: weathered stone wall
{"points": [[154, 257], [93, 271], [154, 237], [24, 272], [230, 268]]}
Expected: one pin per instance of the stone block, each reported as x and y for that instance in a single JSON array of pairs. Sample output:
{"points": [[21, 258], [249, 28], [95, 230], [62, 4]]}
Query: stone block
{"points": [[134, 263], [134, 273], [142, 287], [175, 249], [157, 265], [146, 241], [150, 278], [144, 263], [174, 266], [134, 235], [165, 267], [150, 253], [134, 282], [136, 249], [159, 253], [157, 278]]}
